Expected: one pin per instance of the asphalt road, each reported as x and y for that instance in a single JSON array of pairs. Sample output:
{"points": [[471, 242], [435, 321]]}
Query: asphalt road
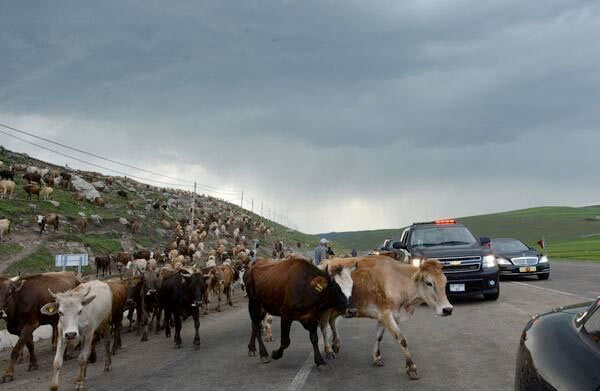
{"points": [[474, 349]]}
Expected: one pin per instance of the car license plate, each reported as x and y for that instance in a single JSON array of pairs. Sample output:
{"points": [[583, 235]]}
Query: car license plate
{"points": [[527, 269], [457, 287]]}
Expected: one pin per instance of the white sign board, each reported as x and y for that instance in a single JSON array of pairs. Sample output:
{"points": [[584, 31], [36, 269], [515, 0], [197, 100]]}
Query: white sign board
{"points": [[70, 260]]}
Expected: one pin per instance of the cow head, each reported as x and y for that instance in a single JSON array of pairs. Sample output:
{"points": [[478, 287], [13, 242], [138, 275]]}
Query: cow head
{"points": [[69, 306], [151, 283], [40, 218], [431, 287], [338, 286], [8, 288], [196, 286]]}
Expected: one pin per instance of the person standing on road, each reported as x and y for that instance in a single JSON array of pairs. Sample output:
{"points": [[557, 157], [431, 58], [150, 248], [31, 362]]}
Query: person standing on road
{"points": [[321, 252], [354, 253]]}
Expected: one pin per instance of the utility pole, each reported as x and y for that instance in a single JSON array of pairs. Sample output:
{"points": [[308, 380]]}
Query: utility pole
{"points": [[242, 202], [261, 209], [193, 204], [252, 205]]}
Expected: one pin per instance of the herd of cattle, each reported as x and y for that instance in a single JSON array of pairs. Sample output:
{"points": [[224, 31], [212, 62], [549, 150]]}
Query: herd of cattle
{"points": [[205, 262], [377, 287]]}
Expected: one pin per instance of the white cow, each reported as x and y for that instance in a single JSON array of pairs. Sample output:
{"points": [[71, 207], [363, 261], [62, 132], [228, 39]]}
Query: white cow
{"points": [[83, 312]]}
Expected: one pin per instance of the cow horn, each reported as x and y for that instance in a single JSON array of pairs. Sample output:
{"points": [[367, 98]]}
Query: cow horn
{"points": [[52, 294]]}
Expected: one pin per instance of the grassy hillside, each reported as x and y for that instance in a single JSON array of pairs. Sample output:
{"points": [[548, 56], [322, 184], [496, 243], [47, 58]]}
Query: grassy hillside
{"points": [[26, 251], [571, 233]]}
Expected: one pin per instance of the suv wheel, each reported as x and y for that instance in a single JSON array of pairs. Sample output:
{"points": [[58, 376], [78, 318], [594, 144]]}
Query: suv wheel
{"points": [[492, 296], [543, 276]]}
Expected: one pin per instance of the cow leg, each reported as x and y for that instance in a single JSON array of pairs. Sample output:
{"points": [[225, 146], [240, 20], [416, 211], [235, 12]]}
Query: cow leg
{"points": [[144, 324], [167, 323], [58, 362], [32, 358], [139, 314], [335, 334], [324, 326], [286, 325], [257, 313], [177, 317], [130, 318], [196, 317], [377, 359], [158, 312], [314, 340], [108, 360], [229, 301], [84, 356], [26, 334], [93, 357], [219, 300], [390, 324]]}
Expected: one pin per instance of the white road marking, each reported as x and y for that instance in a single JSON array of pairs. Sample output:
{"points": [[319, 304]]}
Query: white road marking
{"points": [[552, 290], [302, 374]]}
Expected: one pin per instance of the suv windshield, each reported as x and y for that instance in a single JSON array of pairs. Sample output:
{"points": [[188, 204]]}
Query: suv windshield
{"points": [[442, 236], [508, 246]]}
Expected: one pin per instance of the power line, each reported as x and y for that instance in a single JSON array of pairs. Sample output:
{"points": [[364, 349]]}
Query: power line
{"points": [[93, 164], [205, 187]]}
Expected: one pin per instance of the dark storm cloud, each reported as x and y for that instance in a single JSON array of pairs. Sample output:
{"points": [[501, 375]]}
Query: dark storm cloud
{"points": [[357, 112]]}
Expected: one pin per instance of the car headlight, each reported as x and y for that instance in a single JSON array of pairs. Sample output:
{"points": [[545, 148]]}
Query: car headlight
{"points": [[544, 259], [502, 261], [489, 261], [416, 262]]}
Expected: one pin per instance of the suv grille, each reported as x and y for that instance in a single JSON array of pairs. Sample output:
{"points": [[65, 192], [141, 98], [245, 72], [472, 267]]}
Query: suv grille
{"points": [[461, 264], [525, 261]]}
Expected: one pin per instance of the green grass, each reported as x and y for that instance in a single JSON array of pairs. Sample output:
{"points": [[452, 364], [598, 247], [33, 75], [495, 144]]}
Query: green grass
{"points": [[568, 231], [40, 261], [582, 249], [8, 249], [99, 244]]}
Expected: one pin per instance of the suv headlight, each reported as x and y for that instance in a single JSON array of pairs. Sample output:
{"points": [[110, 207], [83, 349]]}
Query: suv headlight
{"points": [[502, 261], [544, 259], [489, 261], [416, 262]]}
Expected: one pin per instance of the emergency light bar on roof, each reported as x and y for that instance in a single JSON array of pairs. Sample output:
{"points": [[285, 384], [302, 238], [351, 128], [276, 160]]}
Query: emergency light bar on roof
{"points": [[438, 222]]}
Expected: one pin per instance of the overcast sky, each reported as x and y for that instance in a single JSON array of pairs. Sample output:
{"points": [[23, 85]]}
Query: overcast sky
{"points": [[344, 115]]}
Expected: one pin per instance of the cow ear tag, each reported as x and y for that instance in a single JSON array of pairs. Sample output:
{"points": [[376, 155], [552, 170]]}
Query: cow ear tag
{"points": [[318, 284]]}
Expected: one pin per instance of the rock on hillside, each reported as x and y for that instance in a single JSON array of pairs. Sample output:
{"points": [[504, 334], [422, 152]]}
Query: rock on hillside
{"points": [[84, 187]]}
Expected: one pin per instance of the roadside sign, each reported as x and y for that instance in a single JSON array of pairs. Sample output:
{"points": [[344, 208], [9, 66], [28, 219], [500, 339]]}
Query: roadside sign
{"points": [[71, 260]]}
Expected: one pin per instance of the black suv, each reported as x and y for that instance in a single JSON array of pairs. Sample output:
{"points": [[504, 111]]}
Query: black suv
{"points": [[469, 264]]}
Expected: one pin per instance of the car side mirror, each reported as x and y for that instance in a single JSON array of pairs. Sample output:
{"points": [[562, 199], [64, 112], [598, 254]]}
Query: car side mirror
{"points": [[397, 245], [485, 241]]}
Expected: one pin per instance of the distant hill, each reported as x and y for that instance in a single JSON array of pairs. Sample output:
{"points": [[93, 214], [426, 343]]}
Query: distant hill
{"points": [[572, 233]]}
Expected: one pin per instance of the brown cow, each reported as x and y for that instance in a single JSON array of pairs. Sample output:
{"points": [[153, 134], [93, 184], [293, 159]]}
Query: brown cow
{"points": [[101, 202], [21, 299], [389, 291], [122, 259], [103, 264], [294, 289], [214, 285], [32, 188], [82, 224], [229, 276], [48, 219]]}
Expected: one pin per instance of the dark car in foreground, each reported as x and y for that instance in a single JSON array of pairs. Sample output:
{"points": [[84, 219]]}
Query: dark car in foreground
{"points": [[560, 350], [469, 264], [515, 258]]}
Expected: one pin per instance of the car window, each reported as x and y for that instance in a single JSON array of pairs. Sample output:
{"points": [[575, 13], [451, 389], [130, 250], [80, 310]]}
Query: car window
{"points": [[592, 326], [508, 246], [433, 236]]}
